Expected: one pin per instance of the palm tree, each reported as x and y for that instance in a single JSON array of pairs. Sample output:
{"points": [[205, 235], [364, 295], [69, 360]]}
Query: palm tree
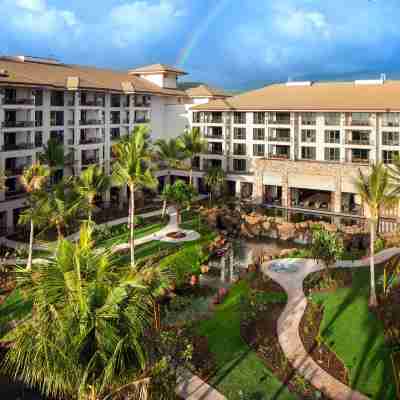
{"points": [[376, 192], [132, 168], [91, 182], [169, 152], [214, 179], [86, 336], [191, 144], [54, 157], [180, 194], [60, 205], [33, 180]]}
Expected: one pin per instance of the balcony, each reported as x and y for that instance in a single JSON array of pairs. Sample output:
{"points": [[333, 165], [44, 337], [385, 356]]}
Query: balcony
{"points": [[18, 124], [279, 121], [115, 121], [91, 122], [358, 142], [358, 122], [390, 124], [115, 137], [279, 138], [90, 161], [215, 151], [239, 152], [19, 146], [278, 156], [18, 102], [308, 122], [92, 140], [359, 160], [16, 170], [15, 193], [56, 122], [143, 120], [92, 103], [391, 142]]}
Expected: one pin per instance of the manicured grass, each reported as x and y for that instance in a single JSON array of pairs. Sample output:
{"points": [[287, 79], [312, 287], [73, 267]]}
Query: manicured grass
{"points": [[356, 336], [239, 368]]}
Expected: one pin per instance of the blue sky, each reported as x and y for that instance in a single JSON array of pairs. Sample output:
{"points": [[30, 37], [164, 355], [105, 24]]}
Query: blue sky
{"points": [[234, 44]]}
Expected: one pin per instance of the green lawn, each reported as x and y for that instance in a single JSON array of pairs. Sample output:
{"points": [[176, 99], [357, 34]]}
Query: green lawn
{"points": [[239, 368], [356, 336]]}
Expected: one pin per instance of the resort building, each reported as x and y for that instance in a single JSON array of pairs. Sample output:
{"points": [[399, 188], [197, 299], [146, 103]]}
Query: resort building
{"points": [[300, 145], [87, 110]]}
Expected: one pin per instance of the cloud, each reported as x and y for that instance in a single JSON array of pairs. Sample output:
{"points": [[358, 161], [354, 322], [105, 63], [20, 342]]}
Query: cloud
{"points": [[136, 20], [299, 23], [36, 17]]}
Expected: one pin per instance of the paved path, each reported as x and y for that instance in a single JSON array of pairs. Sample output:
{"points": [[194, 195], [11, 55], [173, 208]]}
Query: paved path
{"points": [[289, 321], [191, 387]]}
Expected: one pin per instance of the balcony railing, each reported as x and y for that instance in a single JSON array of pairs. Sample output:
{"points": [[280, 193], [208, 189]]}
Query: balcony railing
{"points": [[93, 140], [115, 121], [239, 152], [332, 122], [125, 121], [361, 142], [18, 124], [218, 152], [142, 120], [38, 123], [91, 122], [308, 121], [275, 156], [56, 122], [279, 138], [390, 124], [359, 160], [279, 121], [19, 146], [14, 171], [90, 161], [91, 103], [358, 122], [212, 135], [20, 102], [388, 142], [14, 194], [115, 137]]}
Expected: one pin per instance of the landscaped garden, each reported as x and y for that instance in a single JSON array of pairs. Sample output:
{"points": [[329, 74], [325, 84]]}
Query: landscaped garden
{"points": [[120, 310]]}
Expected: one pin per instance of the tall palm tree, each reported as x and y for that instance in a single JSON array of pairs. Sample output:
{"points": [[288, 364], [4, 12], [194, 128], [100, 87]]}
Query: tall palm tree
{"points": [[132, 168], [60, 205], [215, 179], [85, 337], [376, 192], [168, 150], [91, 182], [33, 180], [54, 157], [192, 144]]}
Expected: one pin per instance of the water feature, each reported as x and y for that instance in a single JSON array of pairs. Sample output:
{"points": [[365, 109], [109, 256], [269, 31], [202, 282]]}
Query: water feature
{"points": [[239, 254]]}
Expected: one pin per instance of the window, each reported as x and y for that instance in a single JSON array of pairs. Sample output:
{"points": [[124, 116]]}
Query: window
{"points": [[332, 118], [258, 134], [38, 118], [308, 135], [359, 137], [258, 150], [332, 137], [196, 117], [214, 132], [279, 118], [115, 100], [239, 133], [259, 118], [38, 139], [308, 118], [390, 138], [391, 119], [56, 118], [359, 155], [239, 118], [389, 155], [239, 149], [308, 153], [332, 154], [359, 118], [239, 165], [57, 98]]}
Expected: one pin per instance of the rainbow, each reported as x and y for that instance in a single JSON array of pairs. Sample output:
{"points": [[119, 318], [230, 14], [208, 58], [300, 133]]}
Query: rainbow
{"points": [[186, 51]]}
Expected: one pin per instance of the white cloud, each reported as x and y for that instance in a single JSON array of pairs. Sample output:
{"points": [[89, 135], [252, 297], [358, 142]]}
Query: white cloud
{"points": [[31, 5], [299, 23], [36, 17], [134, 20]]}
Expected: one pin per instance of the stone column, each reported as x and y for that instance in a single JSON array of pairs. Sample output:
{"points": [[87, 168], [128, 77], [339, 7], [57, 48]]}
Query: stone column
{"points": [[285, 190], [337, 195], [258, 188]]}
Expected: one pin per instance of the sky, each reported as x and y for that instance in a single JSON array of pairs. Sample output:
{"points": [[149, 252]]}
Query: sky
{"points": [[232, 44]]}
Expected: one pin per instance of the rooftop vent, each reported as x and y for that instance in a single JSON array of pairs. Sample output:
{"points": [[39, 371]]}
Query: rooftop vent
{"points": [[299, 83], [4, 73], [379, 81]]}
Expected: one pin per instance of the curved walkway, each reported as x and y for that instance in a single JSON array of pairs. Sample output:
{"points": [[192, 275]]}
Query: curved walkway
{"points": [[291, 280]]}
